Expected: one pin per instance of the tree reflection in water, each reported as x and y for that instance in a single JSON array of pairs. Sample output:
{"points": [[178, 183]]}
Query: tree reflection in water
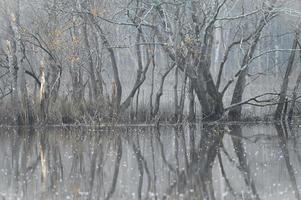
{"points": [[193, 162]]}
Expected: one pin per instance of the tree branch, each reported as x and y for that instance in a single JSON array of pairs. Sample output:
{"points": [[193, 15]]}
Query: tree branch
{"points": [[231, 107]]}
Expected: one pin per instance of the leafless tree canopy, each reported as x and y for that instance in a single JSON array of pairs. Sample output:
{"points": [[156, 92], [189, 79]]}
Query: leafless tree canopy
{"points": [[112, 60]]}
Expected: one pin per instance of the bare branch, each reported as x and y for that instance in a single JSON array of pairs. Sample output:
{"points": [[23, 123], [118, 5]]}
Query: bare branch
{"points": [[231, 107]]}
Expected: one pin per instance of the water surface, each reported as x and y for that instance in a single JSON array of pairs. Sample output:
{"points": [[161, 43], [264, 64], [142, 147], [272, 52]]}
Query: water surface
{"points": [[194, 162]]}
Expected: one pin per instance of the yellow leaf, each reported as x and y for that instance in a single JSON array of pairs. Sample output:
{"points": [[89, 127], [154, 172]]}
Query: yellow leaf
{"points": [[94, 12]]}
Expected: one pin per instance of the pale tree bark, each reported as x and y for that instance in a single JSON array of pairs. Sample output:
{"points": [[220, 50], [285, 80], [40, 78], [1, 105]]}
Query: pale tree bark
{"points": [[42, 93], [217, 46]]}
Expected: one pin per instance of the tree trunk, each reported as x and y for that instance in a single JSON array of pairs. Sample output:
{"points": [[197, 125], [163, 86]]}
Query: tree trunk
{"points": [[296, 88], [42, 93], [55, 80], [12, 62], [285, 82], [182, 99], [113, 62], [235, 114], [152, 86], [55, 70], [75, 68], [141, 72], [191, 109], [160, 91], [90, 63], [27, 107], [137, 104], [22, 108], [99, 69], [176, 103]]}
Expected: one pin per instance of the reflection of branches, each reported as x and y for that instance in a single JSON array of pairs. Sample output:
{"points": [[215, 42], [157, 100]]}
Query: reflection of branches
{"points": [[95, 152], [116, 169], [57, 167], [198, 175], [43, 154], [6, 94], [241, 155], [295, 148], [154, 166], [231, 160], [31, 168], [100, 174], [170, 167], [183, 141], [140, 167], [141, 164], [192, 142], [282, 131], [160, 90], [77, 160], [225, 176], [177, 151]]}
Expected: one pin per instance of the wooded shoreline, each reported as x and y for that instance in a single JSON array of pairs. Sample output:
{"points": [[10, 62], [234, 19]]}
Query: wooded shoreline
{"points": [[77, 61]]}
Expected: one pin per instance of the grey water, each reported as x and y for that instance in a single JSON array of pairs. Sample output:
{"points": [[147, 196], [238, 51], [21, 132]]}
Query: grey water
{"points": [[222, 162]]}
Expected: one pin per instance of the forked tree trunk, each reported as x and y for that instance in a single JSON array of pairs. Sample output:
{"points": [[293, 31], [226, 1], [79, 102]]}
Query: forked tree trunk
{"points": [[160, 91], [141, 72], [113, 59]]}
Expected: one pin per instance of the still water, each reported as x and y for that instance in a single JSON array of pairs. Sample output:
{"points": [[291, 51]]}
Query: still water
{"points": [[222, 162]]}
